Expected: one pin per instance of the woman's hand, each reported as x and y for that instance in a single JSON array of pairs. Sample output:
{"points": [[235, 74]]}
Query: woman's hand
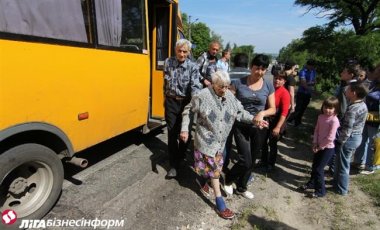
{"points": [[257, 120], [276, 132], [263, 124], [292, 109], [184, 135]]}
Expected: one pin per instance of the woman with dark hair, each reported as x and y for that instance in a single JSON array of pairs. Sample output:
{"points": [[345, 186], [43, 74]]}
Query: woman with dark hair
{"points": [[257, 96]]}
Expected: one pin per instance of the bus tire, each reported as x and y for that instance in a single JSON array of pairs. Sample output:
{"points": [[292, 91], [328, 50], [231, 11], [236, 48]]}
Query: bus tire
{"points": [[31, 178]]}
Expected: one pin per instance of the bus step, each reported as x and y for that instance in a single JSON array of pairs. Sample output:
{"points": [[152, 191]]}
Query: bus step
{"points": [[153, 124]]}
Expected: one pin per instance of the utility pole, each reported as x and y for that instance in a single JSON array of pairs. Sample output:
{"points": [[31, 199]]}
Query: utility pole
{"points": [[190, 24]]}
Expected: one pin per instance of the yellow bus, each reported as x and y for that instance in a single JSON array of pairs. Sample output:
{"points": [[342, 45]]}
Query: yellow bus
{"points": [[74, 73]]}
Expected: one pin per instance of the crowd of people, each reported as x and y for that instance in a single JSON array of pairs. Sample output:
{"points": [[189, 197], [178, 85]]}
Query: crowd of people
{"points": [[221, 103]]}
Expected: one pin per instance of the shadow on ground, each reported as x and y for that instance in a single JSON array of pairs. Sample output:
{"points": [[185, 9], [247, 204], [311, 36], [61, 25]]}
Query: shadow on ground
{"points": [[106, 149], [186, 178], [293, 148], [262, 223]]}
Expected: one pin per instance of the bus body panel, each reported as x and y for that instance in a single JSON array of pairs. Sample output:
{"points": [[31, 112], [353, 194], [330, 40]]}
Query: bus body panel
{"points": [[54, 84]]}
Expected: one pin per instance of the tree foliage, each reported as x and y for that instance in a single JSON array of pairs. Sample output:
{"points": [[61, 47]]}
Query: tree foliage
{"points": [[294, 51], [363, 15], [328, 46], [202, 35], [331, 49]]}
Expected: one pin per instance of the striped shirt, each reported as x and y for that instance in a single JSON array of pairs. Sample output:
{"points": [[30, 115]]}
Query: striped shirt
{"points": [[353, 121]]}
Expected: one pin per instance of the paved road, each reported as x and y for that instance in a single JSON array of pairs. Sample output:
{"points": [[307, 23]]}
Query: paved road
{"points": [[125, 181]]}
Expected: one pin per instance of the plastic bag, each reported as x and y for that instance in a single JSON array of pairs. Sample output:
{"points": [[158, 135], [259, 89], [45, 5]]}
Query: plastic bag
{"points": [[376, 156]]}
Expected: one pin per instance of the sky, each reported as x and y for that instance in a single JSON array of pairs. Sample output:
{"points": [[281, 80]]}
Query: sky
{"points": [[268, 25]]}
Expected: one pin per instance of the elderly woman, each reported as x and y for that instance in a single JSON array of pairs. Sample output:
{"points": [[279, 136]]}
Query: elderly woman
{"points": [[257, 96], [216, 109]]}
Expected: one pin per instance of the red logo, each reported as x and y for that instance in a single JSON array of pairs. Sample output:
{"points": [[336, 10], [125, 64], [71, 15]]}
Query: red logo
{"points": [[8, 217]]}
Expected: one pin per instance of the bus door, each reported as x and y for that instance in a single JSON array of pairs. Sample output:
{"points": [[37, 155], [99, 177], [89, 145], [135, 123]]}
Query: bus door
{"points": [[163, 32]]}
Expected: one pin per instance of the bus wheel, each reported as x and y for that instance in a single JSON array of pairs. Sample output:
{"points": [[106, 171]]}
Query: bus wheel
{"points": [[31, 178]]}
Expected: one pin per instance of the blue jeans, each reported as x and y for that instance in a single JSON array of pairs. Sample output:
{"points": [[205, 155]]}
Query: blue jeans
{"points": [[343, 159], [364, 154]]}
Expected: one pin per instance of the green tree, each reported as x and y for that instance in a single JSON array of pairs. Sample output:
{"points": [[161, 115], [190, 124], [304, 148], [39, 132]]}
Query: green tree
{"points": [[201, 38], [201, 35], [294, 51], [331, 49], [185, 24], [363, 15]]}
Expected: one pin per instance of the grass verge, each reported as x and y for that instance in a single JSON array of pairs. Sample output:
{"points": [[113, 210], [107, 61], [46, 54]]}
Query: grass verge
{"points": [[370, 184]]}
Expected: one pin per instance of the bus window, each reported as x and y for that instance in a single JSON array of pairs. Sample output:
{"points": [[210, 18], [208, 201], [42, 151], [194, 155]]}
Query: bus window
{"points": [[162, 39], [64, 20], [121, 23]]}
